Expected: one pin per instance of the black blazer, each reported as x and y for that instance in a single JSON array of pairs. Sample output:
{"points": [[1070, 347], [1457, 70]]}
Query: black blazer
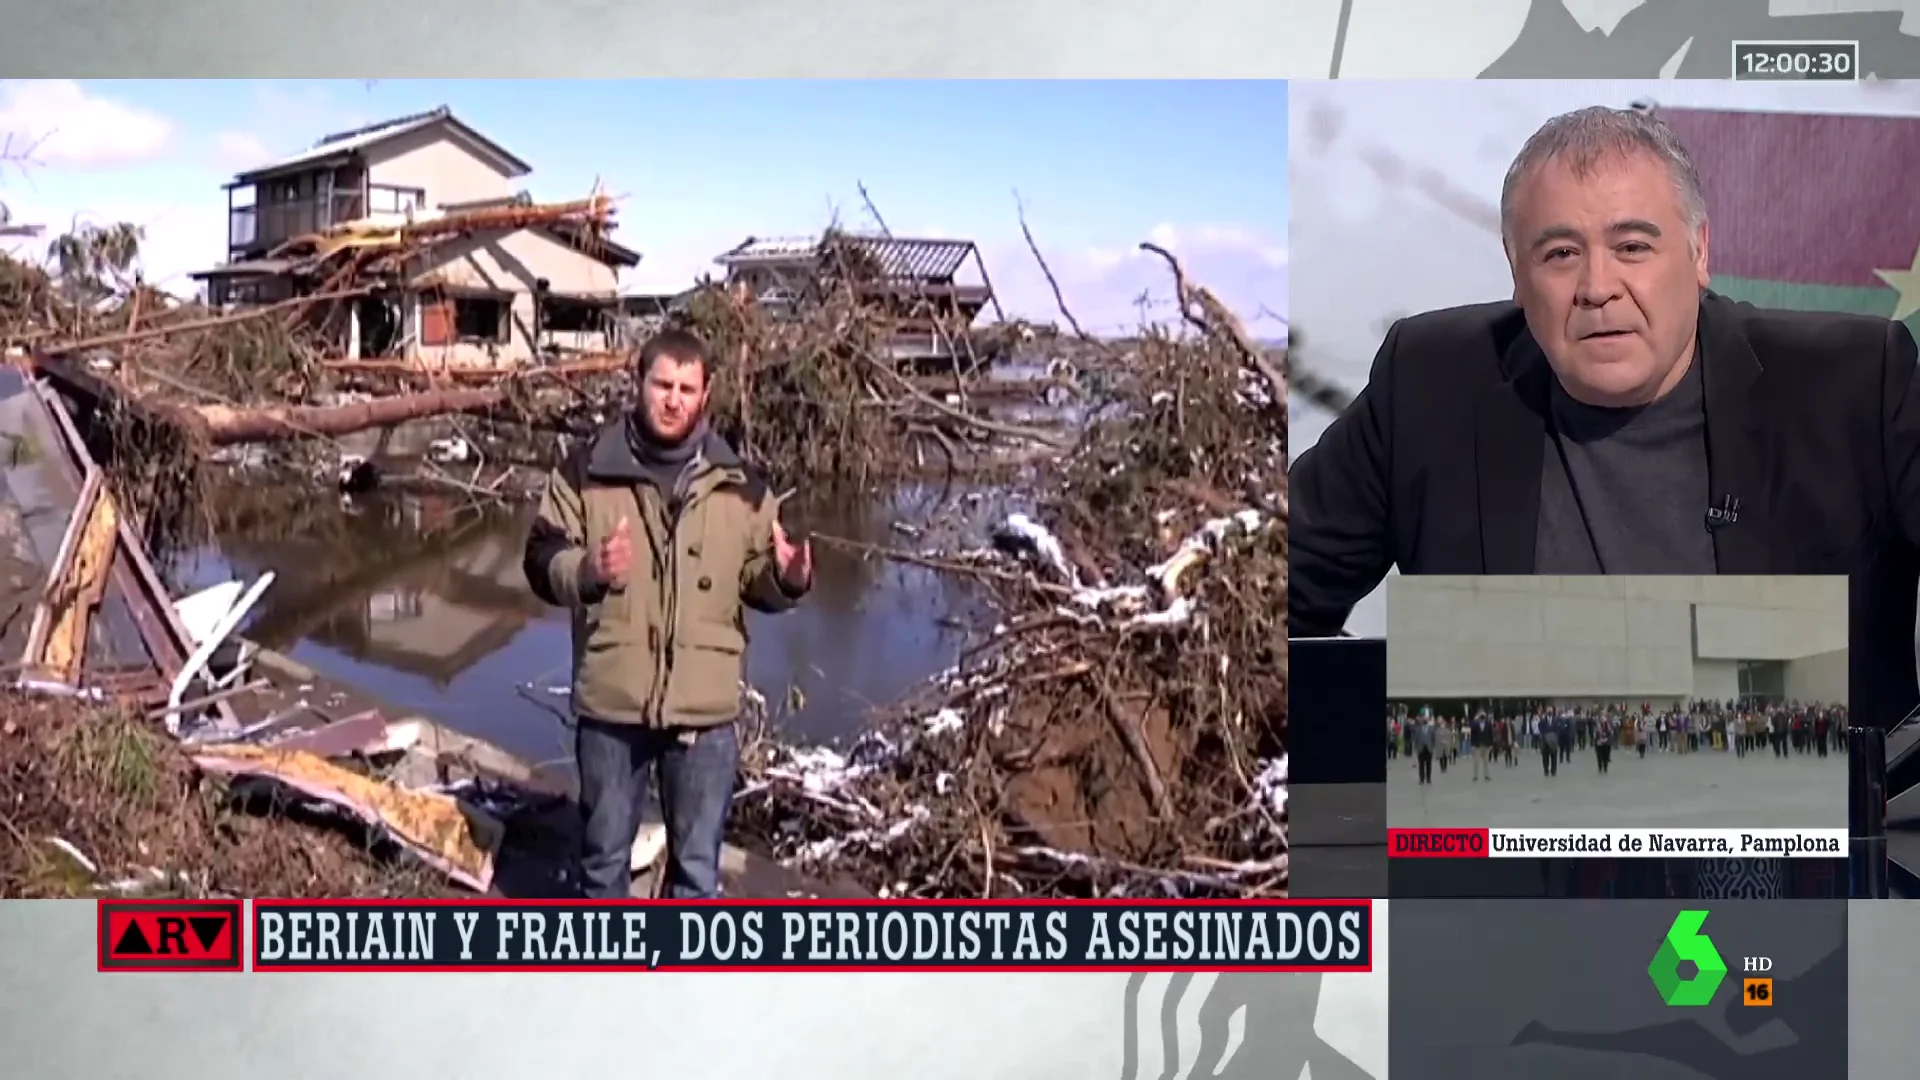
{"points": [[1813, 424]]}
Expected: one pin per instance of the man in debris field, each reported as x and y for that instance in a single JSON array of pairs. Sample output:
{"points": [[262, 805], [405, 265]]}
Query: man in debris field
{"points": [[655, 536]]}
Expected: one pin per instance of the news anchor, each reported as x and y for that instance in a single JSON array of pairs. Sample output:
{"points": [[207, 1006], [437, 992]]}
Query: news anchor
{"points": [[1618, 417]]}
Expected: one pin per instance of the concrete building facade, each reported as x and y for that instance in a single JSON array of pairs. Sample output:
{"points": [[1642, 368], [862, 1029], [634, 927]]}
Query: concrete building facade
{"points": [[1653, 639]]}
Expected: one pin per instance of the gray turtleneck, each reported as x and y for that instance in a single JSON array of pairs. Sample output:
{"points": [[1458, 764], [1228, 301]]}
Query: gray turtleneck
{"points": [[1625, 491], [665, 465]]}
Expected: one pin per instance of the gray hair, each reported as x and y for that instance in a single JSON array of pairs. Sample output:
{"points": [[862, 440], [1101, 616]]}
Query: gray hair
{"points": [[1587, 138]]}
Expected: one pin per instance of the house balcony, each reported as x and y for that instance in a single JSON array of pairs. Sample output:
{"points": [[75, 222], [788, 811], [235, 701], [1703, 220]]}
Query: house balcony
{"points": [[255, 230]]}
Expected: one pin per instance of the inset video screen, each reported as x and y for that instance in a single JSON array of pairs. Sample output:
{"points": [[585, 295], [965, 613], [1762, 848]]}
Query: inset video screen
{"points": [[1617, 736]]}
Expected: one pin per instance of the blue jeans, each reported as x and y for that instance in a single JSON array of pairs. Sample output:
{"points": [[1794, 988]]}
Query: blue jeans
{"points": [[696, 791]]}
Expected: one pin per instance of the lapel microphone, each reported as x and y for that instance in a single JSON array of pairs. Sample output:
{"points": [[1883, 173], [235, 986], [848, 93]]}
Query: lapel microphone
{"points": [[1727, 513]]}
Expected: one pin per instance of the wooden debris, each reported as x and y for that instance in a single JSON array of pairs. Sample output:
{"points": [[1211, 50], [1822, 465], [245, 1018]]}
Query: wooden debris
{"points": [[432, 825], [226, 424], [76, 584]]}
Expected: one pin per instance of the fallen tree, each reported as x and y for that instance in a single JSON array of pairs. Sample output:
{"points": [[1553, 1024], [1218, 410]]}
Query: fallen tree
{"points": [[224, 425]]}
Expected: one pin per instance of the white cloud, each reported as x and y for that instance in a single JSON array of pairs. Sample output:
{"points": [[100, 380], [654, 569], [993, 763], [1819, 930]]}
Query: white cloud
{"points": [[1113, 289], [179, 237], [1196, 240], [239, 150], [64, 125]]}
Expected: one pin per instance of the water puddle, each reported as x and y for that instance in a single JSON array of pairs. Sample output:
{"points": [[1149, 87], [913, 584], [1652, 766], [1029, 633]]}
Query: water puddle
{"points": [[420, 601]]}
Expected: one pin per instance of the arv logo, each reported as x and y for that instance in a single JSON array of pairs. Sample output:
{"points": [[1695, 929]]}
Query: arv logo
{"points": [[1685, 943]]}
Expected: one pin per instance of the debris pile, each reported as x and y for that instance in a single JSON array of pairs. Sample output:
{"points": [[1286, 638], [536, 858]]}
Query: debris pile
{"points": [[127, 705], [1120, 730], [813, 393], [817, 397], [100, 800], [162, 384]]}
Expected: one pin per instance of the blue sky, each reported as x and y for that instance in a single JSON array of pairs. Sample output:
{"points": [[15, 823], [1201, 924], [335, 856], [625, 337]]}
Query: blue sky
{"points": [[1099, 166]]}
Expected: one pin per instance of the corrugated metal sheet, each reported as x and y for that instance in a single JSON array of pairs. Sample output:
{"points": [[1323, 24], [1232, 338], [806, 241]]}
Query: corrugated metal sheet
{"points": [[893, 258], [776, 249]]}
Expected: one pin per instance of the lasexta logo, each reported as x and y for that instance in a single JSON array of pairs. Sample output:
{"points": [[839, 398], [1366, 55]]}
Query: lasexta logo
{"points": [[1685, 943], [170, 935]]}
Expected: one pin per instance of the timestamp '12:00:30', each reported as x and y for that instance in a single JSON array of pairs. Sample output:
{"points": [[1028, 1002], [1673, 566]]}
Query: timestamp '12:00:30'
{"points": [[1822, 61]]}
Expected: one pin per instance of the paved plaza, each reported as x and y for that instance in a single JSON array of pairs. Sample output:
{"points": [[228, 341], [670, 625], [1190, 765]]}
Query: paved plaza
{"points": [[1704, 790]]}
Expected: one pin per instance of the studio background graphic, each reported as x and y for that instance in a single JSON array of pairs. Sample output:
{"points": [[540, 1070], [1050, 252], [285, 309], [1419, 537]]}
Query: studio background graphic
{"points": [[1523, 989]]}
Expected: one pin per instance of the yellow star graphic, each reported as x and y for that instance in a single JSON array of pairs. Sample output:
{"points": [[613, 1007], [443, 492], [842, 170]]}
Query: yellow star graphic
{"points": [[1907, 284]]}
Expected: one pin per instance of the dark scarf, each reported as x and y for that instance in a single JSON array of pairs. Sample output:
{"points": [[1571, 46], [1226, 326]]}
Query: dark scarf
{"points": [[667, 466]]}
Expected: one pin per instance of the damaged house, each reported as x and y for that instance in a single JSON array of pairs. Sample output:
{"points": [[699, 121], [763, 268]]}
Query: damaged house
{"points": [[934, 289], [421, 218]]}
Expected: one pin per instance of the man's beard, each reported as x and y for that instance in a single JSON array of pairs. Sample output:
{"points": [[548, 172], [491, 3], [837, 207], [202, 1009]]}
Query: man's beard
{"points": [[653, 433]]}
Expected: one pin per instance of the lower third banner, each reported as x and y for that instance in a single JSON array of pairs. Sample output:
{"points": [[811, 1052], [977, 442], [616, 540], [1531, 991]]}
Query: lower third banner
{"points": [[730, 935], [1602, 843]]}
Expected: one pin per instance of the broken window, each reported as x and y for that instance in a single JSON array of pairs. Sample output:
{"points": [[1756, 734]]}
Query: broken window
{"points": [[468, 319], [567, 316], [480, 319], [258, 290], [380, 325], [390, 199]]}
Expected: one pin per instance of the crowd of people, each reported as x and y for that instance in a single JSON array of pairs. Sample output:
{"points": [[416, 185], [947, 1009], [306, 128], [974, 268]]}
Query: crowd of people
{"points": [[1553, 734]]}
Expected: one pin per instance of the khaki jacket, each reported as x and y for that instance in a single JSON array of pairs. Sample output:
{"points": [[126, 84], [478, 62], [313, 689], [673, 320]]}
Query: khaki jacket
{"points": [[667, 650]]}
